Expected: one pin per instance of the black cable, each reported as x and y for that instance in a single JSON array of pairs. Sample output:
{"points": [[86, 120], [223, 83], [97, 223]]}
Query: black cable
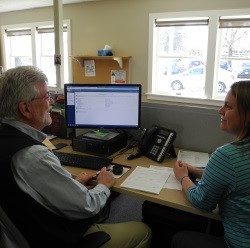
{"points": [[129, 146]]}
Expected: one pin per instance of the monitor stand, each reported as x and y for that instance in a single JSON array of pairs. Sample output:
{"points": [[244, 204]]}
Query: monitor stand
{"points": [[101, 134], [99, 142]]}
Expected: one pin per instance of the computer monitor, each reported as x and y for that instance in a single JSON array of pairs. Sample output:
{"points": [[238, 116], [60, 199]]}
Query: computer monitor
{"points": [[103, 106]]}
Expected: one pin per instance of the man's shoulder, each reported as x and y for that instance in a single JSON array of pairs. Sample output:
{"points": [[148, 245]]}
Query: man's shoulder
{"points": [[13, 140]]}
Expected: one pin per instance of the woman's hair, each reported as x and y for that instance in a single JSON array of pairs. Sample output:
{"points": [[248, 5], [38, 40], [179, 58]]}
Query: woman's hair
{"points": [[18, 84], [241, 91]]}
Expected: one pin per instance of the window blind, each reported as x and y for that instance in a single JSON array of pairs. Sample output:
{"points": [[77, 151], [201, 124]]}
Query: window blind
{"points": [[17, 32], [40, 30], [234, 22], [170, 23]]}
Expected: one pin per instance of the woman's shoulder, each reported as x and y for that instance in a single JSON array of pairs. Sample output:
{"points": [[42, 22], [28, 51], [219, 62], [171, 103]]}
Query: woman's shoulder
{"points": [[226, 147], [231, 149]]}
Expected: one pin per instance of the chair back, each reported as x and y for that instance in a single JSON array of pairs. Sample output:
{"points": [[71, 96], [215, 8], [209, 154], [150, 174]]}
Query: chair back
{"points": [[10, 236]]}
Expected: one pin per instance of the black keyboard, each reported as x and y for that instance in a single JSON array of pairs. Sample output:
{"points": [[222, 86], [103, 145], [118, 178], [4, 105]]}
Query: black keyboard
{"points": [[83, 161]]}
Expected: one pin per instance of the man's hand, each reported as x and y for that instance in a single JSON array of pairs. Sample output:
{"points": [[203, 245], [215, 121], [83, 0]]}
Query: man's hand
{"points": [[105, 177], [84, 177]]}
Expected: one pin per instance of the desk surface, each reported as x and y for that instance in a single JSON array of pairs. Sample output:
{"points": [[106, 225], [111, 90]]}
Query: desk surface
{"points": [[168, 197]]}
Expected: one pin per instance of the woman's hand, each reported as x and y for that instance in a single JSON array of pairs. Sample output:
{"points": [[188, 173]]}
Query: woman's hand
{"points": [[196, 171], [180, 170], [181, 174]]}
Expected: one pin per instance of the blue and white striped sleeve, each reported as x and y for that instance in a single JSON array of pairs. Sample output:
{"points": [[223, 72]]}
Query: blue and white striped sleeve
{"points": [[214, 183]]}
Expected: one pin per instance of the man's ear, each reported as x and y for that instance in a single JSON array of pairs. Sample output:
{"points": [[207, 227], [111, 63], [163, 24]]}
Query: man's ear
{"points": [[25, 109]]}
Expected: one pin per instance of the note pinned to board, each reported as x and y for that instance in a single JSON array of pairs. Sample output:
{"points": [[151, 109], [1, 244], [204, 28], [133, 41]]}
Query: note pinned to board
{"points": [[146, 179], [89, 66], [197, 159]]}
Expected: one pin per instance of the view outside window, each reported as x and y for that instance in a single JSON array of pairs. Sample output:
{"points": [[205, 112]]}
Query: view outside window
{"points": [[35, 42], [45, 58], [194, 57], [181, 59], [18, 50], [234, 57]]}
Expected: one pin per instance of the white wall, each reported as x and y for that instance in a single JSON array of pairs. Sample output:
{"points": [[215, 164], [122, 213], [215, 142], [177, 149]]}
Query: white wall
{"points": [[123, 24]]}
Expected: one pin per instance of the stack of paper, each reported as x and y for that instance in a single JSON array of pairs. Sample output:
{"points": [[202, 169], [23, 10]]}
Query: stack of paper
{"points": [[198, 159], [146, 179], [172, 182]]}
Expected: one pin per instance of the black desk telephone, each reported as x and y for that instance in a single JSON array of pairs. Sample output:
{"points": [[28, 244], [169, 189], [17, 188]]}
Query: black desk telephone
{"points": [[156, 143]]}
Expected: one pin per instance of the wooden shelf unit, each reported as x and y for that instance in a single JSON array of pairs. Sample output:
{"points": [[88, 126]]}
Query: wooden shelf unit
{"points": [[103, 67]]}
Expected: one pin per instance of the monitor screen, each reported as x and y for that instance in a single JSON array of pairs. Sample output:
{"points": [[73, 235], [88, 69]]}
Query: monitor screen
{"points": [[108, 106]]}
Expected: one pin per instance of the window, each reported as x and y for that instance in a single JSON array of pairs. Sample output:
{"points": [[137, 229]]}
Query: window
{"points": [[18, 48], [33, 44], [194, 57]]}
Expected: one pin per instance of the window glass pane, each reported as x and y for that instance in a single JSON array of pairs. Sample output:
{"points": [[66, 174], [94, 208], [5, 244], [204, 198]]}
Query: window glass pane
{"points": [[234, 61], [45, 56], [47, 44], [180, 61], [18, 50], [46, 51]]}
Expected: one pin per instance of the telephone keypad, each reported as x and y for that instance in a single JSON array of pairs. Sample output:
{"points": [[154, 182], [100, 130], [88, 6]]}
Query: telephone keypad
{"points": [[154, 149]]}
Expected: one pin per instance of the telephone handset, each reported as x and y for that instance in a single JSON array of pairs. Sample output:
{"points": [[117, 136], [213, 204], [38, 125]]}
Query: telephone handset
{"points": [[157, 142]]}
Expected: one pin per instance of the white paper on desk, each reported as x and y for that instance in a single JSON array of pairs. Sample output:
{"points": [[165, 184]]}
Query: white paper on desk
{"points": [[51, 136], [198, 159], [146, 179], [48, 144], [172, 182]]}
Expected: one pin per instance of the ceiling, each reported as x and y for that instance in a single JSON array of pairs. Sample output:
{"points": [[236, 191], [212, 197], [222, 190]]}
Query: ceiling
{"points": [[12, 5]]}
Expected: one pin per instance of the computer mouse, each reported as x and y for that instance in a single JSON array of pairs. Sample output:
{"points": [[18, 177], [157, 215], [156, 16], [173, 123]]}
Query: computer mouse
{"points": [[117, 169]]}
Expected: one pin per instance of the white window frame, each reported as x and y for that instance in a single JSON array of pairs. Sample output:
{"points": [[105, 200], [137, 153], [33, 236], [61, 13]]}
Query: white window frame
{"points": [[212, 52], [33, 26]]}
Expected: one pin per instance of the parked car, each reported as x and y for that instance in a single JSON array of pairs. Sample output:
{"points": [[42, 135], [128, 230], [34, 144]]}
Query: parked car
{"points": [[194, 78], [246, 65], [224, 64], [245, 73], [178, 67], [195, 63]]}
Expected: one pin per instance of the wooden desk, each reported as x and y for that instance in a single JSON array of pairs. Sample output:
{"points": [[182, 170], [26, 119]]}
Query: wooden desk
{"points": [[168, 197]]}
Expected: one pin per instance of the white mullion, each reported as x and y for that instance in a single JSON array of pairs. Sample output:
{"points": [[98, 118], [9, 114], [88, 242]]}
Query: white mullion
{"points": [[68, 60], [151, 53], [33, 46], [58, 33], [212, 51], [3, 42]]}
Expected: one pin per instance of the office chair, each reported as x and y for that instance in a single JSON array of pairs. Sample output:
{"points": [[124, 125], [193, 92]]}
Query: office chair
{"points": [[11, 237]]}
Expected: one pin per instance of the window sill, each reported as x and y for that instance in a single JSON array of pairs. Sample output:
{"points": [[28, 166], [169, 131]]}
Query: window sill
{"points": [[183, 101]]}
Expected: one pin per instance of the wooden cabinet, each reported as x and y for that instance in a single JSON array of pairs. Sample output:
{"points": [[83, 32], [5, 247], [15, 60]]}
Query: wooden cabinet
{"points": [[102, 70]]}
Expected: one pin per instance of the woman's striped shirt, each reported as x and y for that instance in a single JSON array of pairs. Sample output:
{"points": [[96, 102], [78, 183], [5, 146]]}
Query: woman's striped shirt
{"points": [[226, 182]]}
